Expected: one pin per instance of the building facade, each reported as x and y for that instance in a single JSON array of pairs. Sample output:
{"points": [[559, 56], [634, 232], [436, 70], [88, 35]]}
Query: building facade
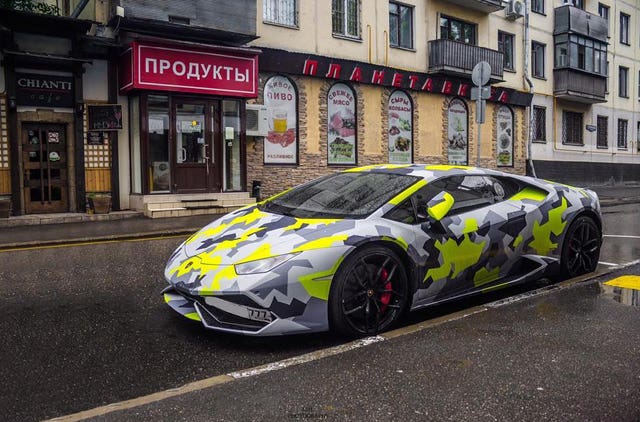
{"points": [[207, 101]]}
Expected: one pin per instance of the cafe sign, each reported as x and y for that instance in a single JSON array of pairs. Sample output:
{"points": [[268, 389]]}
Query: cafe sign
{"points": [[198, 70], [34, 89]]}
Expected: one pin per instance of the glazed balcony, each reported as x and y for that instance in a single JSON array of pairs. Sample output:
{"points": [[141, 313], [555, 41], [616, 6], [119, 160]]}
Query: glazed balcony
{"points": [[578, 86], [484, 6], [458, 59], [571, 20]]}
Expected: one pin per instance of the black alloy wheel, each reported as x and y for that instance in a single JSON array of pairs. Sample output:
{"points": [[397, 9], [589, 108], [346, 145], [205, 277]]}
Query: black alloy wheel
{"points": [[581, 250], [369, 292]]}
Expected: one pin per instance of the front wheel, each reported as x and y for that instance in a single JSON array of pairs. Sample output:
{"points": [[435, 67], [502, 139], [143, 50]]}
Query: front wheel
{"points": [[369, 293], [581, 248]]}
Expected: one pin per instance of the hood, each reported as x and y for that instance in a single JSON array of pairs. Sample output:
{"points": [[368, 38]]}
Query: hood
{"points": [[251, 234]]}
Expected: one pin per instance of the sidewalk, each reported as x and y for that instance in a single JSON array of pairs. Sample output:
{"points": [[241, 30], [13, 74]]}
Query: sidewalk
{"points": [[51, 229]]}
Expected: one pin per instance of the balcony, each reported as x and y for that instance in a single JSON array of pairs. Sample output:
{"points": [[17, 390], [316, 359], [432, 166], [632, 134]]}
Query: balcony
{"points": [[578, 86], [458, 59], [571, 20], [484, 6]]}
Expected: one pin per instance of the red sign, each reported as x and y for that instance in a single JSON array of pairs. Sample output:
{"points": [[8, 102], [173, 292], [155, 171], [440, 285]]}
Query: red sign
{"points": [[181, 68]]}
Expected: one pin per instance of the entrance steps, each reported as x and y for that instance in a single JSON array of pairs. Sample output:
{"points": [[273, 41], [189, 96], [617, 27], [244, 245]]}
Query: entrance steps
{"points": [[162, 206]]}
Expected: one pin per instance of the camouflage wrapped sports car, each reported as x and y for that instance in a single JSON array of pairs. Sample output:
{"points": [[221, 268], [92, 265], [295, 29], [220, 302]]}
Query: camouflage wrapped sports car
{"points": [[354, 250]]}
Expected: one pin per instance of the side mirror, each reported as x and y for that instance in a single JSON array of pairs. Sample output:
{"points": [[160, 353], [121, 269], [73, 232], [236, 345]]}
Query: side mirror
{"points": [[440, 205]]}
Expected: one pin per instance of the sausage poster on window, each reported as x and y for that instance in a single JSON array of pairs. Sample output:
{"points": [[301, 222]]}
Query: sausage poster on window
{"points": [[458, 134], [281, 142], [341, 131], [505, 137], [400, 128]]}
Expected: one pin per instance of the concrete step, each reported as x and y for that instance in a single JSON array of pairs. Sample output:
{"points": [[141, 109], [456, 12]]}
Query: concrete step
{"points": [[162, 213]]}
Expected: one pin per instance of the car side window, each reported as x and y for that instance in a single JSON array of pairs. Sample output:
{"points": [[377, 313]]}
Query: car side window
{"points": [[403, 213], [469, 192]]}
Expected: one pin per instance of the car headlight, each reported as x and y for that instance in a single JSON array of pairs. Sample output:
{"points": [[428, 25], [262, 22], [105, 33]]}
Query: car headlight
{"points": [[262, 265]]}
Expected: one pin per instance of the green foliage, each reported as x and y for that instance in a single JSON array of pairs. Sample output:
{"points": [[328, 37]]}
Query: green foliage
{"points": [[33, 6]]}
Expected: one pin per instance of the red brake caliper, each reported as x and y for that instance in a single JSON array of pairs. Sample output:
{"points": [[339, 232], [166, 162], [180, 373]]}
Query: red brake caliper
{"points": [[385, 298]]}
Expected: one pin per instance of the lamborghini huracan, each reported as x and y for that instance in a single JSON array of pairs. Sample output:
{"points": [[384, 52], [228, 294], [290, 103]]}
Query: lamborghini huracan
{"points": [[354, 251]]}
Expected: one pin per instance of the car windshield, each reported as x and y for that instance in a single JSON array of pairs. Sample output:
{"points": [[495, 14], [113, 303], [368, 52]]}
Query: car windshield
{"points": [[341, 195]]}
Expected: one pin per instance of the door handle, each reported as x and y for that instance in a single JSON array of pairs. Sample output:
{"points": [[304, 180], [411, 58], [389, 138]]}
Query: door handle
{"points": [[206, 157], [184, 155]]}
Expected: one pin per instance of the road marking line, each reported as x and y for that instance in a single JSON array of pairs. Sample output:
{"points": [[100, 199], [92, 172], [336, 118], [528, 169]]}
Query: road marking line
{"points": [[622, 236], [312, 356], [610, 264], [625, 282]]}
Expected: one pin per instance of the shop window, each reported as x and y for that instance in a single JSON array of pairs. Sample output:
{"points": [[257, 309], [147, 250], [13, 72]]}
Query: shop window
{"points": [[622, 133], [572, 128], [342, 125], [506, 47], [158, 150], [280, 12], [344, 17], [458, 132], [232, 152], [457, 30], [505, 136], [400, 128], [281, 142], [602, 134], [539, 124], [400, 25]]}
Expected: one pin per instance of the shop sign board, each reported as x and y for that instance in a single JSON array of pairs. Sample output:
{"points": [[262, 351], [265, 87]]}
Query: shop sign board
{"points": [[281, 142], [198, 70], [44, 90], [458, 133], [342, 125], [505, 137], [104, 117], [400, 128]]}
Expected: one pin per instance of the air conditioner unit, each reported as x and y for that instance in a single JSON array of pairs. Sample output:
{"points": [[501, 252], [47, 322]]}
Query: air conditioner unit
{"points": [[257, 124], [515, 9]]}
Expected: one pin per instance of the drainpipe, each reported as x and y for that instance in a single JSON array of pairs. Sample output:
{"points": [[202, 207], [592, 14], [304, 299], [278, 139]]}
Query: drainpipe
{"points": [[527, 78]]}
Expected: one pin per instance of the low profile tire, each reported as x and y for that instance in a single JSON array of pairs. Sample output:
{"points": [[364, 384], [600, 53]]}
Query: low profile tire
{"points": [[581, 248], [369, 293]]}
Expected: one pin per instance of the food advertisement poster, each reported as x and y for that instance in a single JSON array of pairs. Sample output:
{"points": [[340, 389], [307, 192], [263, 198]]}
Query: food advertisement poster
{"points": [[458, 133], [400, 128], [342, 125], [281, 142], [505, 137]]}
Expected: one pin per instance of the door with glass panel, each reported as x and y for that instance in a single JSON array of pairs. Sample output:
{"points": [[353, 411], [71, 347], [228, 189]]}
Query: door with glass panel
{"points": [[194, 169]]}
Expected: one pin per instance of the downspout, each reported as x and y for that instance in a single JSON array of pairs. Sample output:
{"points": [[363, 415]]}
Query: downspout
{"points": [[527, 78]]}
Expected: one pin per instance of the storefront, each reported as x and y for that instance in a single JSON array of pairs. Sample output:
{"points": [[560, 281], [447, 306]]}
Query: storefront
{"points": [[327, 114], [186, 108]]}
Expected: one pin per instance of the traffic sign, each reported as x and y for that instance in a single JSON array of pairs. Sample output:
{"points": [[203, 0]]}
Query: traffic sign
{"points": [[481, 73]]}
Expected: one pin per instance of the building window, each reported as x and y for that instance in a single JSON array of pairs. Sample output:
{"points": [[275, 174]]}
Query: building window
{"points": [[624, 28], [400, 25], [572, 128], [505, 46], [457, 30], [539, 124], [281, 12], [602, 140], [537, 6], [603, 11], [623, 82], [622, 133], [342, 125], [576, 3], [537, 59], [400, 128], [578, 52], [345, 18]]}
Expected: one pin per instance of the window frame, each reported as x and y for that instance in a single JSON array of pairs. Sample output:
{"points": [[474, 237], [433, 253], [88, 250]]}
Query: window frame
{"points": [[602, 131], [275, 5], [566, 114], [622, 135], [345, 20], [623, 82], [464, 23], [624, 28], [501, 48], [535, 10], [398, 16], [535, 45]]}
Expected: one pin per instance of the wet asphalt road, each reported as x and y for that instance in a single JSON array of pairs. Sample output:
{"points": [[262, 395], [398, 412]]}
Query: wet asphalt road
{"points": [[84, 326]]}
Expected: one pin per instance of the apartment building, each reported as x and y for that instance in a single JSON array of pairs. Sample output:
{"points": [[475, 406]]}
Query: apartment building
{"points": [[568, 67]]}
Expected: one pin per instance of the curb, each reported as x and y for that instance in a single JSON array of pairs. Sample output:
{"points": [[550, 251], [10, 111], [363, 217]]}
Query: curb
{"points": [[97, 239]]}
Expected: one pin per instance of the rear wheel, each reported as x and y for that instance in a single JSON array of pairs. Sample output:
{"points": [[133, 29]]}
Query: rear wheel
{"points": [[581, 249], [369, 293]]}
